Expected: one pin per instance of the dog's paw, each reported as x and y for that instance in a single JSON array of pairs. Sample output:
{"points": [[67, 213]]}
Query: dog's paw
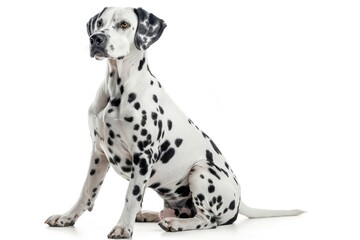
{"points": [[61, 220], [120, 232], [170, 224]]}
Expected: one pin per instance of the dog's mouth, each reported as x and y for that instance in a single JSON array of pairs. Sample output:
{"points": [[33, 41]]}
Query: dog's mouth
{"points": [[98, 53]]}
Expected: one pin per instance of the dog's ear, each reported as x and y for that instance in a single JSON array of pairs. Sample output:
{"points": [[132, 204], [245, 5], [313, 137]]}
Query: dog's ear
{"points": [[149, 29], [90, 26]]}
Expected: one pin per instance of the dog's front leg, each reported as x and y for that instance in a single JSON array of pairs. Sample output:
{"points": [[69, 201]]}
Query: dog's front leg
{"points": [[142, 165], [95, 176]]}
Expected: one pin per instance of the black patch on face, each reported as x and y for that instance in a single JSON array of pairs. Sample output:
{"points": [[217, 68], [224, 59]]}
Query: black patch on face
{"points": [[136, 190], [212, 171], [169, 122], [92, 172], [155, 98], [209, 156], [131, 97], [215, 147], [141, 64], [167, 155], [178, 142], [129, 119], [115, 102], [211, 188]]}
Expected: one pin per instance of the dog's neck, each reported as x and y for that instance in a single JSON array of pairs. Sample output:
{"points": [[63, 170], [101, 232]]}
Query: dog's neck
{"points": [[127, 73]]}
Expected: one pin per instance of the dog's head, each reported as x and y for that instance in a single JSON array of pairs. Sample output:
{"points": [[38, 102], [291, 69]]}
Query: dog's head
{"points": [[114, 32]]}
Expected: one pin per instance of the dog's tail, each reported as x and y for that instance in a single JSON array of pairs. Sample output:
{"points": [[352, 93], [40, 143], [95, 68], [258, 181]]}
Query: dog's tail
{"points": [[263, 213]]}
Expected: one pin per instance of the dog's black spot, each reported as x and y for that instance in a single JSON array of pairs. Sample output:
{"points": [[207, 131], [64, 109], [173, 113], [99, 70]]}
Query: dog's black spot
{"points": [[143, 120], [143, 167], [110, 110], [232, 205], [115, 102], [117, 159], [137, 105], [212, 171], [141, 64], [110, 142], [155, 98], [154, 185], [161, 110], [121, 89], [152, 172], [134, 138], [209, 156], [111, 134], [129, 119], [143, 132], [92, 172], [201, 197], [154, 115], [178, 142], [211, 188], [165, 146], [149, 71], [131, 97], [126, 169], [169, 123], [97, 160], [167, 155], [183, 191], [163, 190], [160, 129], [215, 147], [136, 190], [136, 127]]}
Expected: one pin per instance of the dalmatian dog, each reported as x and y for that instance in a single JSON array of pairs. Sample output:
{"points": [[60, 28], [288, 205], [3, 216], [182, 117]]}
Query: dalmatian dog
{"points": [[139, 131]]}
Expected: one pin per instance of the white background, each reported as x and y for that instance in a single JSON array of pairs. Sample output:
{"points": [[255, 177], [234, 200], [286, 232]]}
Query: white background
{"points": [[274, 83]]}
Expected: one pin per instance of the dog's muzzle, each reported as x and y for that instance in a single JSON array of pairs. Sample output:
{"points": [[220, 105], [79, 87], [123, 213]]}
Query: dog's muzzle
{"points": [[98, 45]]}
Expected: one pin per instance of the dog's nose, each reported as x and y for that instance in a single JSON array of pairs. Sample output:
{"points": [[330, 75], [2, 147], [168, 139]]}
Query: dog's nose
{"points": [[98, 40]]}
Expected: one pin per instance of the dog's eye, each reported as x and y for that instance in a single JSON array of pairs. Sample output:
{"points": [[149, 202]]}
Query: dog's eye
{"points": [[99, 23], [124, 25]]}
